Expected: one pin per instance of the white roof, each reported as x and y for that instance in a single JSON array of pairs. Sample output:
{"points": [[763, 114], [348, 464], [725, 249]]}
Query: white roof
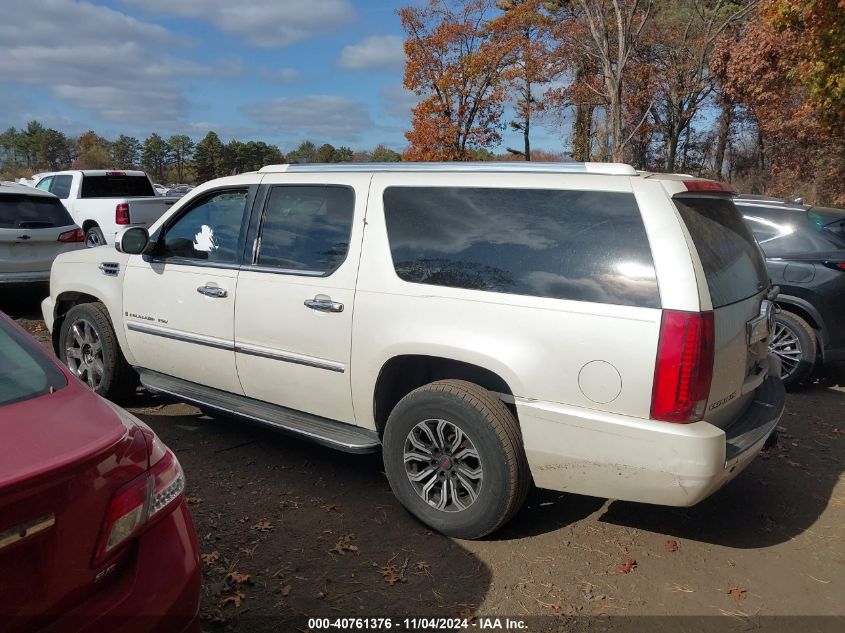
{"points": [[616, 169], [16, 188]]}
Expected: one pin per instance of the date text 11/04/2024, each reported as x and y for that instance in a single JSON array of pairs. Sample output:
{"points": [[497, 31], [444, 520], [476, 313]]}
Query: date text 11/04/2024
{"points": [[418, 624]]}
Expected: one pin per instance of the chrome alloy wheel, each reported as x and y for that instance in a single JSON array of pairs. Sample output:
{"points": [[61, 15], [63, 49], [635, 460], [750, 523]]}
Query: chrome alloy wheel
{"points": [[84, 353], [443, 465], [785, 345], [92, 240]]}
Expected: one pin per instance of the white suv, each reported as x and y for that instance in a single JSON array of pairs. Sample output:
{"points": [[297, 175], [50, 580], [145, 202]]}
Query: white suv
{"points": [[595, 329]]}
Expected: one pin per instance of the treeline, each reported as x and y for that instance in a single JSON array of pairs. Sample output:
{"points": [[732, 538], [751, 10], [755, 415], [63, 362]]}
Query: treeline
{"points": [[743, 90], [178, 158]]}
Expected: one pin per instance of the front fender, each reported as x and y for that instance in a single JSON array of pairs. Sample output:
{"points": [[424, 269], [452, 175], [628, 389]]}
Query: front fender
{"points": [[75, 278]]}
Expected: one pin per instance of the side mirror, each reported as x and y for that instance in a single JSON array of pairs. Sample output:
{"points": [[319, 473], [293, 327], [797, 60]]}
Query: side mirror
{"points": [[132, 240]]}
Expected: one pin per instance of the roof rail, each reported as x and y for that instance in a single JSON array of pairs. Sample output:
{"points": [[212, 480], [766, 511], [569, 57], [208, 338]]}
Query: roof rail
{"points": [[613, 169]]}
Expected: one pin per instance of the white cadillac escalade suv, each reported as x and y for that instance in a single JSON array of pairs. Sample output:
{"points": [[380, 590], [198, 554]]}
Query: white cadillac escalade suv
{"points": [[585, 326]]}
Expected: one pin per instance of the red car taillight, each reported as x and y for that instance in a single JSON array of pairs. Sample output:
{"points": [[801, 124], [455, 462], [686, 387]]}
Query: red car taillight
{"points": [[76, 235], [684, 367], [835, 265], [139, 503], [121, 213]]}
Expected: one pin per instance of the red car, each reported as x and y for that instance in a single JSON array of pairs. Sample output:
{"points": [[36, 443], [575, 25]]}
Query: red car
{"points": [[95, 533]]}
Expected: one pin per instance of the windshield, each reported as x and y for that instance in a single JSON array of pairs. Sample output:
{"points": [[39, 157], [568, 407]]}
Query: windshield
{"points": [[732, 262], [19, 211], [116, 186], [24, 372]]}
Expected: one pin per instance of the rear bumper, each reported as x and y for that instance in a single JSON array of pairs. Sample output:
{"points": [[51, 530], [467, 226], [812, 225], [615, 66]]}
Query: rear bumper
{"points": [[159, 591], [25, 277], [618, 457]]}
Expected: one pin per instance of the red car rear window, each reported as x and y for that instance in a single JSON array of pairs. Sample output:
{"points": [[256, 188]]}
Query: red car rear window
{"points": [[25, 372]]}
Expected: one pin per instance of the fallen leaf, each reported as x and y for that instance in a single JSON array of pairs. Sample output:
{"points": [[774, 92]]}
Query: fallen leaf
{"points": [[211, 557], [466, 614], [39, 328], [390, 573], [671, 545], [737, 593], [263, 526], [344, 544], [320, 595], [285, 591], [330, 507], [192, 501], [794, 464], [235, 598], [627, 567], [423, 566], [238, 578]]}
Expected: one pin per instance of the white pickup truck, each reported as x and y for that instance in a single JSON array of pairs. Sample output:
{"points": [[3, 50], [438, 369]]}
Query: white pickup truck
{"points": [[105, 201]]}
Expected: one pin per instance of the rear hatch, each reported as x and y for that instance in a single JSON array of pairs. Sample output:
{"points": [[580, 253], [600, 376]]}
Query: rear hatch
{"points": [[738, 282], [64, 453], [30, 227]]}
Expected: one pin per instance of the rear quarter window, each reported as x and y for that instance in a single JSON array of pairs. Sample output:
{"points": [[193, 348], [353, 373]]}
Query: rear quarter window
{"points": [[578, 245], [732, 261]]}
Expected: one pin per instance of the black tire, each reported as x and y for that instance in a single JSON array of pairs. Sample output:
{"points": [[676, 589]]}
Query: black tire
{"points": [[495, 435], [117, 380], [793, 334], [94, 237]]}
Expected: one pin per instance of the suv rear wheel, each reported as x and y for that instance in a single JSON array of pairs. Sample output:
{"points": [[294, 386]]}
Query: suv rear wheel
{"points": [[453, 455], [794, 342], [89, 348]]}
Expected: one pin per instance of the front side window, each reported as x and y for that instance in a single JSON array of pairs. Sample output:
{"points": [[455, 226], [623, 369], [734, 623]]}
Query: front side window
{"points": [[307, 228], [44, 183], [209, 231], [61, 186], [578, 245]]}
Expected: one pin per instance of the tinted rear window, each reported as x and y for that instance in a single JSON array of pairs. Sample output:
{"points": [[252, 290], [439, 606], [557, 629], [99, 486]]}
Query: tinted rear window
{"points": [[732, 262], [24, 373], [579, 245], [32, 212], [782, 232], [116, 187]]}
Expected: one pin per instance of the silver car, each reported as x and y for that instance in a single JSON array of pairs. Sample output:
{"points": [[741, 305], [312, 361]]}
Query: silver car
{"points": [[34, 228]]}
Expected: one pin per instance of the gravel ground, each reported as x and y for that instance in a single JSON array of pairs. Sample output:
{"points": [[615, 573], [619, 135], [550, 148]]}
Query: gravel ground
{"points": [[289, 528]]}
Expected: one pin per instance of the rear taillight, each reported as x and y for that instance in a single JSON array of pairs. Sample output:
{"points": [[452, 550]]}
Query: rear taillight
{"points": [[121, 213], [684, 366], [835, 265], [138, 504], [76, 235]]}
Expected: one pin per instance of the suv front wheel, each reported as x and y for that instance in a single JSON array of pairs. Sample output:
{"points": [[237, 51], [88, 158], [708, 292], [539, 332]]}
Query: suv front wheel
{"points": [[454, 457], [89, 348]]}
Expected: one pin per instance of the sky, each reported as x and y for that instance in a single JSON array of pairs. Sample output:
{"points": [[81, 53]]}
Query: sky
{"points": [[280, 71]]}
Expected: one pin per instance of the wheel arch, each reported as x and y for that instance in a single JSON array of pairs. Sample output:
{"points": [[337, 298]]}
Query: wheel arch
{"points": [[403, 373]]}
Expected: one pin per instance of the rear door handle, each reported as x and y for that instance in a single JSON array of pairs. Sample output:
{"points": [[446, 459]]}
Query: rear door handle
{"points": [[324, 305], [213, 291]]}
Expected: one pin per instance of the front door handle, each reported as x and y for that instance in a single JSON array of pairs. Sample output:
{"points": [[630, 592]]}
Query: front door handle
{"points": [[212, 291], [324, 305]]}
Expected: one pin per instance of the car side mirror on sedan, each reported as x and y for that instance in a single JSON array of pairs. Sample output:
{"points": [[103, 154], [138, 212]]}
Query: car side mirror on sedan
{"points": [[132, 240]]}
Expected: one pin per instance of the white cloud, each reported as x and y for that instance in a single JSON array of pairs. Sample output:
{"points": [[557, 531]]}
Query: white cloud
{"points": [[377, 52], [397, 101], [319, 117], [281, 75], [265, 23], [99, 59]]}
